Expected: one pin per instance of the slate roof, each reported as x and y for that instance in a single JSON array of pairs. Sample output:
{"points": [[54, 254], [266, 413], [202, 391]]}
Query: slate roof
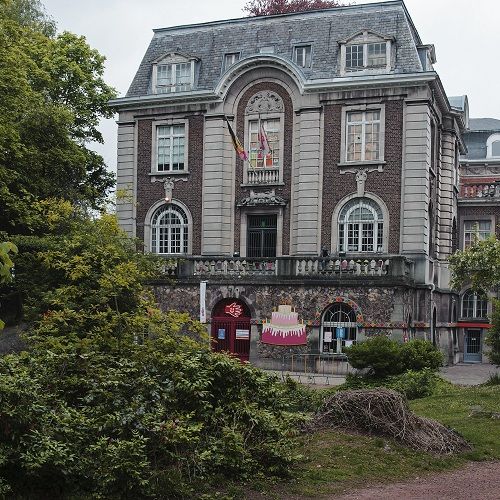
{"points": [[322, 29], [484, 124], [477, 136]]}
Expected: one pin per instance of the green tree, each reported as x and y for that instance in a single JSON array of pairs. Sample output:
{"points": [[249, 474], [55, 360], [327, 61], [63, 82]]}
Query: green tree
{"points": [[273, 7], [53, 95], [115, 399], [479, 266]]}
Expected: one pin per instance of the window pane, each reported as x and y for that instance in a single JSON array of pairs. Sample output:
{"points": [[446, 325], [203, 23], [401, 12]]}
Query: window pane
{"points": [[495, 148], [302, 56], [256, 156], [354, 56], [230, 59], [376, 54], [170, 147]]}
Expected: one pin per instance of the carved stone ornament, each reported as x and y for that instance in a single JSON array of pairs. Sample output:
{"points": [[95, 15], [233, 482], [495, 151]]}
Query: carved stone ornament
{"points": [[268, 198], [361, 177], [265, 102], [168, 185]]}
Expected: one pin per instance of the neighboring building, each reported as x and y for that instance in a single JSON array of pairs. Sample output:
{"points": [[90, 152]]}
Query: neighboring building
{"points": [[349, 218], [479, 217]]}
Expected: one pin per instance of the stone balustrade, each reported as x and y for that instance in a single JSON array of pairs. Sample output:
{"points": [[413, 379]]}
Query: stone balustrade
{"points": [[486, 191], [297, 268], [262, 176]]}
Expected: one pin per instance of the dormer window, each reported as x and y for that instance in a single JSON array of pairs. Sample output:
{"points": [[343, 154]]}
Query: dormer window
{"points": [[493, 146], [302, 56], [173, 73], [230, 59], [365, 51]]}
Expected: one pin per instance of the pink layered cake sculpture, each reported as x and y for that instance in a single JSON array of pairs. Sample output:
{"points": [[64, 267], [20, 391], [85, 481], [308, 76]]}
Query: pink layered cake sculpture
{"points": [[284, 328]]}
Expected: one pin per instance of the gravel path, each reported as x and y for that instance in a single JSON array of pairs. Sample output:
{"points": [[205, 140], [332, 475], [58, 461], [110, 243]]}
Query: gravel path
{"points": [[475, 481]]}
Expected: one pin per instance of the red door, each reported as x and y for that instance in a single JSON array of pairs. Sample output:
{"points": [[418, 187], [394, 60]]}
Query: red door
{"points": [[231, 328]]}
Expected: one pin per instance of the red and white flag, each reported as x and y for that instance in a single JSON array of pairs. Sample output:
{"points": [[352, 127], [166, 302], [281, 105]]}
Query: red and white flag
{"points": [[263, 141]]}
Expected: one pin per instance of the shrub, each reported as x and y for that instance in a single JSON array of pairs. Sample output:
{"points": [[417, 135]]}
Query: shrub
{"points": [[380, 355], [419, 354], [412, 384]]}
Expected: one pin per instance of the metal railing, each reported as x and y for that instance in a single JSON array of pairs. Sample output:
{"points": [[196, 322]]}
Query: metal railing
{"points": [[325, 369]]}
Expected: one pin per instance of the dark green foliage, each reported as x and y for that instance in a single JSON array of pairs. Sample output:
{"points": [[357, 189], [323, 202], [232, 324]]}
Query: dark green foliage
{"points": [[383, 357], [494, 379], [114, 398], [413, 384], [52, 96], [380, 355], [139, 421], [493, 335], [419, 354]]}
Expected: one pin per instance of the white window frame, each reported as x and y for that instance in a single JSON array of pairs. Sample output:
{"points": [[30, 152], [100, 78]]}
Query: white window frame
{"points": [[268, 116], [229, 60], [154, 141], [471, 231], [173, 61], [475, 299], [365, 39], [344, 136], [183, 227], [307, 58], [344, 223]]}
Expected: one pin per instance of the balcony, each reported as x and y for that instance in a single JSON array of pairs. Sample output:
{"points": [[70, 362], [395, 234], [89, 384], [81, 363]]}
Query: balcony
{"points": [[292, 268], [487, 191], [263, 176]]}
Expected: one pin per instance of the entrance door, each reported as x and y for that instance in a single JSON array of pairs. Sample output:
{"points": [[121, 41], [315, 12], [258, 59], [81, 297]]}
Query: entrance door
{"points": [[472, 346], [261, 235], [339, 328], [231, 328]]}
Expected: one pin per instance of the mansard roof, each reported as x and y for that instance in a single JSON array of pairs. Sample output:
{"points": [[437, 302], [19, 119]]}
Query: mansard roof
{"points": [[322, 29]]}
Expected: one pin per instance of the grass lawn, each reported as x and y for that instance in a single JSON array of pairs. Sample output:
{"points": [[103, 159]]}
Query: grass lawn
{"points": [[335, 461]]}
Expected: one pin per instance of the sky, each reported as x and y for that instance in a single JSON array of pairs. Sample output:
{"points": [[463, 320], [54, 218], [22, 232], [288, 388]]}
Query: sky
{"points": [[466, 35]]}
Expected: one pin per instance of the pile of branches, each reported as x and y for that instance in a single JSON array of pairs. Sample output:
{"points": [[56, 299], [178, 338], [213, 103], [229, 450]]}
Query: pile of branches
{"points": [[385, 413]]}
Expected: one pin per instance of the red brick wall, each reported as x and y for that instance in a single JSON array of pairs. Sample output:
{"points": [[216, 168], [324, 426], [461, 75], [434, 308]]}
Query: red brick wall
{"points": [[482, 212], [283, 191], [188, 192], [386, 185]]}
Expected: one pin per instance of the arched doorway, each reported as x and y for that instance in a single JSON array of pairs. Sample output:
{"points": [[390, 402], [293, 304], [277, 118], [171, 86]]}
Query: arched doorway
{"points": [[231, 328], [339, 328]]}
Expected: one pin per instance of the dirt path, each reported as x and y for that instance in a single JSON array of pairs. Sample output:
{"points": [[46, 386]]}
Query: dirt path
{"points": [[475, 481]]}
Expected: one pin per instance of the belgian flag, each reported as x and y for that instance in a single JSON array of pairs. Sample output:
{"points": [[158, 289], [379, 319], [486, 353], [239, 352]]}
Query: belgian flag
{"points": [[236, 143]]}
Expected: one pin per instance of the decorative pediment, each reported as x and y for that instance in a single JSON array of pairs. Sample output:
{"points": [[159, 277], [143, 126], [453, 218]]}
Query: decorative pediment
{"points": [[365, 36], [173, 57], [265, 102], [268, 198]]}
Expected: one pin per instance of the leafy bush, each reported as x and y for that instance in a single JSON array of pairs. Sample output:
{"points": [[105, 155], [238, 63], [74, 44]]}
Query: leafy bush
{"points": [[383, 357], [413, 384], [419, 354], [380, 355], [115, 399]]}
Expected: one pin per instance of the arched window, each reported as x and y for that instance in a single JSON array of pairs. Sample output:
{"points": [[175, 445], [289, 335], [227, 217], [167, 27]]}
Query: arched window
{"points": [[493, 146], [361, 226], [339, 328], [169, 230], [474, 305]]}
